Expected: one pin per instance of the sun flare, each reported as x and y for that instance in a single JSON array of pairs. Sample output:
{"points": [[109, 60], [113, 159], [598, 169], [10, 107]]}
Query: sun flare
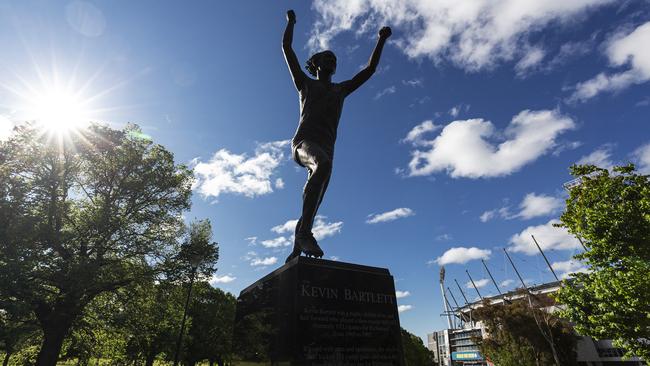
{"points": [[59, 110]]}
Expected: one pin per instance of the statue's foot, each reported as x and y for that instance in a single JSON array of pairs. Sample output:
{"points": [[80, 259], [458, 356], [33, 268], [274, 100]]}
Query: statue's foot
{"points": [[294, 253], [305, 243]]}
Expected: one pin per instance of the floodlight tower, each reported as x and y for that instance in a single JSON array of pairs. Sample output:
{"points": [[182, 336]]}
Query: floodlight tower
{"points": [[444, 297]]}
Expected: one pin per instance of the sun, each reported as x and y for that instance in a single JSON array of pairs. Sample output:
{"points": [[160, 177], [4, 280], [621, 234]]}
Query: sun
{"points": [[59, 110], [62, 100]]}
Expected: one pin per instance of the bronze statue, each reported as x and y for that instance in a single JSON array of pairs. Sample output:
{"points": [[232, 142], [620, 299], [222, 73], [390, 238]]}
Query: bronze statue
{"points": [[321, 102]]}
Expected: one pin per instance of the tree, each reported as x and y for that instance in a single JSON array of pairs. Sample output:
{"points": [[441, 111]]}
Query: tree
{"points": [[82, 215], [17, 325], [98, 332], [150, 318], [197, 247], [514, 337], [210, 334], [415, 353], [610, 213]]}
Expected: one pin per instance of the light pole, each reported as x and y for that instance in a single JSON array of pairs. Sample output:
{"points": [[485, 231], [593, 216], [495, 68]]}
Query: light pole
{"points": [[195, 260]]}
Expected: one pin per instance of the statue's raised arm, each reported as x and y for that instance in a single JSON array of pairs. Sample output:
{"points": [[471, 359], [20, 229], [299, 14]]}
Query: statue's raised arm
{"points": [[365, 74], [292, 61]]}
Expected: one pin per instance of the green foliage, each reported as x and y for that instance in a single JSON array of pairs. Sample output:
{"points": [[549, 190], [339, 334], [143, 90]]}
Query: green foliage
{"points": [[27, 353], [519, 335], [210, 334], [252, 336], [197, 247], [83, 215], [150, 320], [17, 327], [611, 213], [415, 353]]}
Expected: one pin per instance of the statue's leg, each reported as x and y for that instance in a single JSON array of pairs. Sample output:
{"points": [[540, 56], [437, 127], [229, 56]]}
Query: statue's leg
{"points": [[319, 167]]}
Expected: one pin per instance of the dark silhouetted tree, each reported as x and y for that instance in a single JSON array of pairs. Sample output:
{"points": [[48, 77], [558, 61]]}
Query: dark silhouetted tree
{"points": [[415, 353], [210, 334]]}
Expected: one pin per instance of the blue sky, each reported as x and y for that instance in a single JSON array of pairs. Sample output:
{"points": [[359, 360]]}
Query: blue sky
{"points": [[456, 148]]}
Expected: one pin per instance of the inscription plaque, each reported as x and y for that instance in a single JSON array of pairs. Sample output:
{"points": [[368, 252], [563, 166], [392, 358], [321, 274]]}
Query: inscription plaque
{"points": [[321, 313]]}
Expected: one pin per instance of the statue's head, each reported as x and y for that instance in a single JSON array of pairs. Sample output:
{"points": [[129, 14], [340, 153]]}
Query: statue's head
{"points": [[324, 61]]}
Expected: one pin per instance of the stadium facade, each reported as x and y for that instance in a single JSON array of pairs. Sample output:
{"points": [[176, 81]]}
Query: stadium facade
{"points": [[455, 345]]}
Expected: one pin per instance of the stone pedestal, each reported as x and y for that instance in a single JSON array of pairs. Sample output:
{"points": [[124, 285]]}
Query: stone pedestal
{"points": [[317, 312]]}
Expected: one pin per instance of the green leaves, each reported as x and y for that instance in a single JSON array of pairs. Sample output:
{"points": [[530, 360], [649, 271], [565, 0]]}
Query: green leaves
{"points": [[85, 215], [521, 335], [610, 211], [415, 353]]}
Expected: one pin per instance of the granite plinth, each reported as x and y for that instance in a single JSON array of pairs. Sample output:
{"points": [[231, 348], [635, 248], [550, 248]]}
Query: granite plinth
{"points": [[320, 313]]}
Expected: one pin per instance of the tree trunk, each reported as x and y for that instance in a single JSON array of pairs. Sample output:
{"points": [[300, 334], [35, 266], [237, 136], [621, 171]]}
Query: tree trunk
{"points": [[51, 346], [54, 331], [151, 357], [6, 360]]}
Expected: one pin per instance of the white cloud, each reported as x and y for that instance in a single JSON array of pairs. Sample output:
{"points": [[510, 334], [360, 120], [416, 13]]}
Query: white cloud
{"points": [[488, 215], [402, 294], [334, 258], [602, 82], [280, 241], [268, 261], [461, 255], [643, 102], [287, 227], [457, 109], [279, 183], [403, 308], [530, 61], [479, 283], [472, 34], [507, 283], [415, 135], [600, 157], [226, 172], [222, 279], [252, 240], [503, 212], [444, 237], [324, 229], [463, 148], [535, 205], [564, 146], [412, 82], [548, 236], [642, 158], [568, 51], [321, 229], [567, 267], [390, 215], [622, 50], [387, 91]]}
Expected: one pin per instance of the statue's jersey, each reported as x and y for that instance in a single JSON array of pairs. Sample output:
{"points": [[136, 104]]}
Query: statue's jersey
{"points": [[320, 111]]}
